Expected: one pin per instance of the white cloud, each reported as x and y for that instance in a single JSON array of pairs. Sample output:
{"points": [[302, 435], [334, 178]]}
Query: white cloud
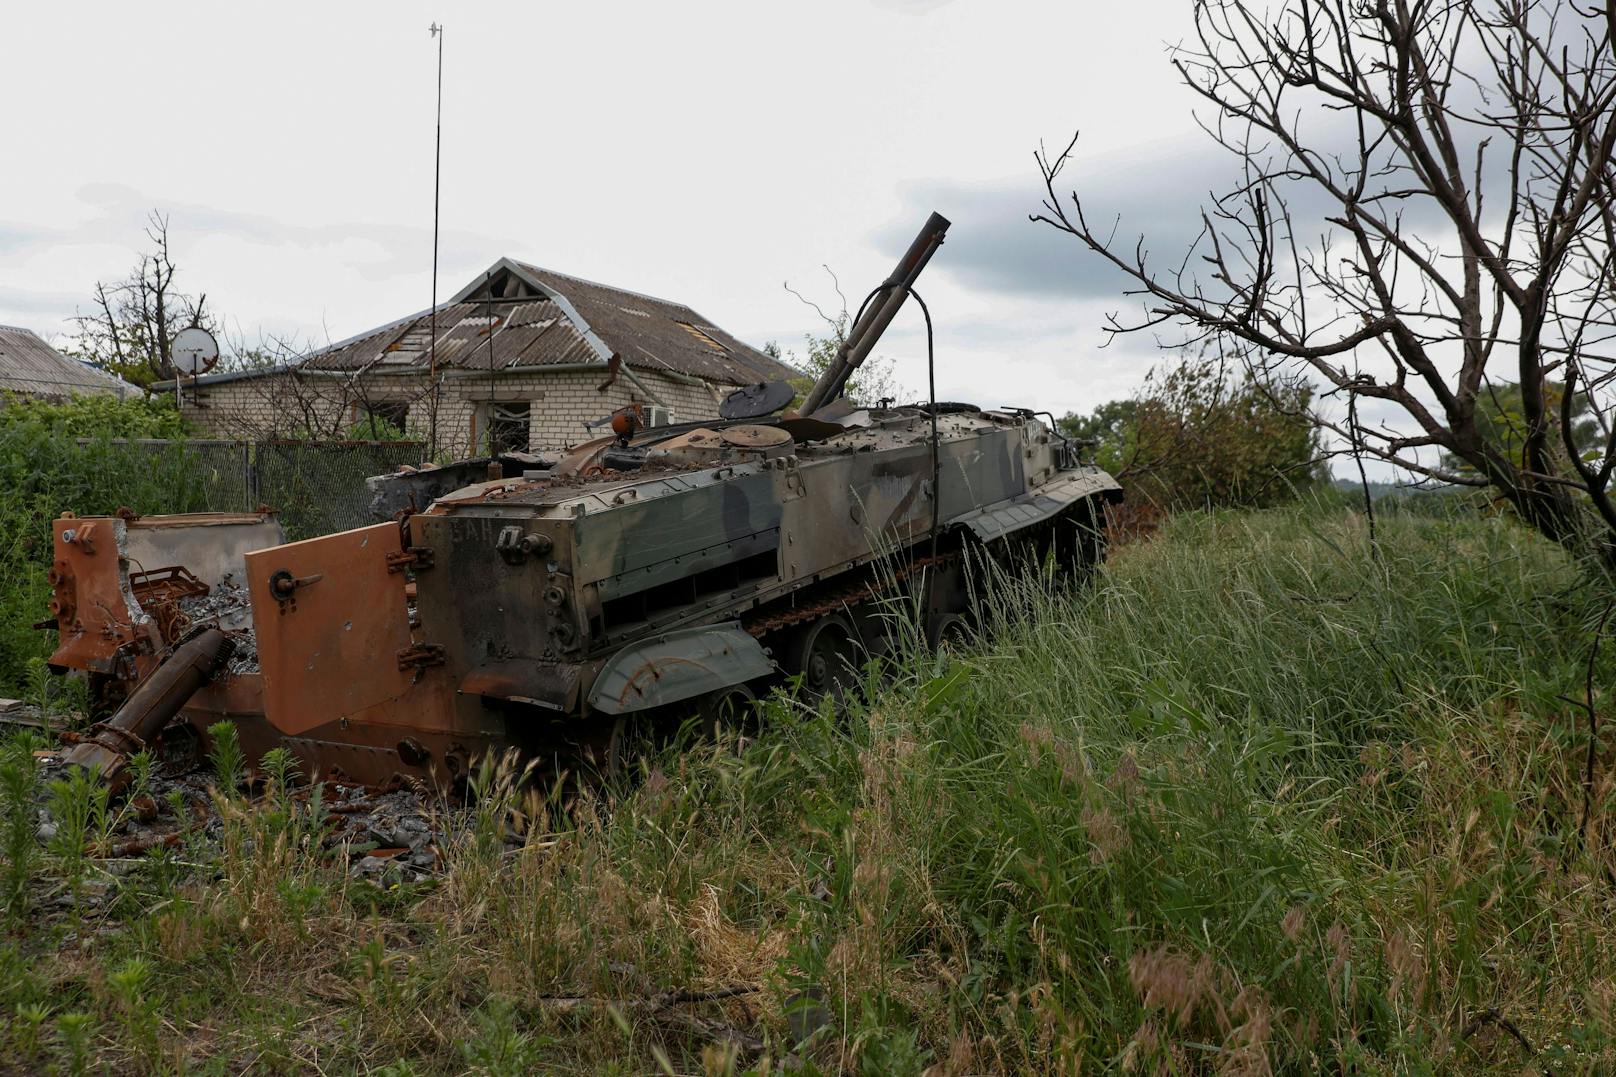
{"points": [[702, 152]]}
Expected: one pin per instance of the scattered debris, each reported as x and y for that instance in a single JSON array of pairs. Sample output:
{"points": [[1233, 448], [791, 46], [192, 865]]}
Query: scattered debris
{"points": [[399, 836], [22, 715], [229, 606]]}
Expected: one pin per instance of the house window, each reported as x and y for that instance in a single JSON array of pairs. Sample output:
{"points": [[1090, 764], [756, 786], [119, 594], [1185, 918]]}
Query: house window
{"points": [[508, 427], [381, 421]]}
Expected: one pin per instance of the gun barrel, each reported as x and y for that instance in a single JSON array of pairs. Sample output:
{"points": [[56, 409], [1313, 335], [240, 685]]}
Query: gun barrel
{"points": [[877, 315], [149, 707]]}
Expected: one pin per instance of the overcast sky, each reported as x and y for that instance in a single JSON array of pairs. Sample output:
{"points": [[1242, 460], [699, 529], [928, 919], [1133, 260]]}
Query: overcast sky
{"points": [[704, 152]]}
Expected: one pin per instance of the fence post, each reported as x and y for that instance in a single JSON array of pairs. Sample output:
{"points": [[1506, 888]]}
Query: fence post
{"points": [[249, 476]]}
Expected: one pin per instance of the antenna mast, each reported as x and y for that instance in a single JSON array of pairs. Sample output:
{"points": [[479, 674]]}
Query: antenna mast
{"points": [[437, 171]]}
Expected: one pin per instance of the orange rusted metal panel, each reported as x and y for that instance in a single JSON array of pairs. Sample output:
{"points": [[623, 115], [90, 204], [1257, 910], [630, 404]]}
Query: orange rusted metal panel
{"points": [[101, 628], [332, 625]]}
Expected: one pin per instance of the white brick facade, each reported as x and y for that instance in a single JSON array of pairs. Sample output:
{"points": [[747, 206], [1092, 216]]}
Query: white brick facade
{"points": [[284, 405]]}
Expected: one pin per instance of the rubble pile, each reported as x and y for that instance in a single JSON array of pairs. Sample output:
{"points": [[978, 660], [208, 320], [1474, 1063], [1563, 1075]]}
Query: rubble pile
{"points": [[228, 605], [396, 837], [387, 833], [226, 602]]}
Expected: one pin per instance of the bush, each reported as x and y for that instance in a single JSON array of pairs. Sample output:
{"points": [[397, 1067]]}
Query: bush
{"points": [[90, 417], [45, 469], [1196, 437]]}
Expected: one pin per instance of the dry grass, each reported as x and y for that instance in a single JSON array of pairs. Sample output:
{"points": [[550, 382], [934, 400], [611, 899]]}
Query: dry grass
{"points": [[1253, 804]]}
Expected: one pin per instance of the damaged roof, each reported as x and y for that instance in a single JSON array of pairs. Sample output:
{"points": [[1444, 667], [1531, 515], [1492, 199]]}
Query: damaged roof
{"points": [[30, 367], [516, 316]]}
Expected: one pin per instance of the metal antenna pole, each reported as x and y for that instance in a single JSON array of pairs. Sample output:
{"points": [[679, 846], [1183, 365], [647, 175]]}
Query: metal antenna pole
{"points": [[437, 172], [493, 405]]}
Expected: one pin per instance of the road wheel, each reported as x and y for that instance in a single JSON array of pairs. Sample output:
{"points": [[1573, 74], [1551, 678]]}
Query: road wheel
{"points": [[949, 632], [632, 740], [827, 655], [728, 715]]}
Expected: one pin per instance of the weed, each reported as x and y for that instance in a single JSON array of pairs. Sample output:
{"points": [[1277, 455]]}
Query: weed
{"points": [[73, 1032], [229, 763], [40, 685], [142, 765], [78, 803], [280, 765], [499, 1048], [31, 1018], [136, 1010], [19, 779]]}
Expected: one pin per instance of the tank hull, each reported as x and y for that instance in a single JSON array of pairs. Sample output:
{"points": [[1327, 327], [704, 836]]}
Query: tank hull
{"points": [[545, 613]]}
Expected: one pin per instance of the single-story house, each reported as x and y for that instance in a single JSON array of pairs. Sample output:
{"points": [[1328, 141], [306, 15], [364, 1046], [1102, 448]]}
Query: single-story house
{"points": [[31, 368], [525, 357]]}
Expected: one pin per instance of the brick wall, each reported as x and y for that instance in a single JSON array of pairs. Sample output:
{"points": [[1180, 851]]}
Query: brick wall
{"points": [[268, 406], [560, 403]]}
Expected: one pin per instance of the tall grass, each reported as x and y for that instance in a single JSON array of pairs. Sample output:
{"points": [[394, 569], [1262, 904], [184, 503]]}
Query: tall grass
{"points": [[1253, 801]]}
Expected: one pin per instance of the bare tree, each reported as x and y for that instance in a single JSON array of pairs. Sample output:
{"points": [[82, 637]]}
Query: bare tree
{"points": [[130, 329], [1425, 190], [874, 381]]}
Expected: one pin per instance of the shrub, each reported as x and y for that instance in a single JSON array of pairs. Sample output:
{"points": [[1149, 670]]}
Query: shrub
{"points": [[45, 468], [1196, 436]]}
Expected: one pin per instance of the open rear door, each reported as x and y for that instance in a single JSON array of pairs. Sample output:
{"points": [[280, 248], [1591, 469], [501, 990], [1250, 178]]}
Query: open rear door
{"points": [[332, 625]]}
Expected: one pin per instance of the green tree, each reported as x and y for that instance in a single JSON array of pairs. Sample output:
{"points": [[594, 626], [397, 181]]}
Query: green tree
{"points": [[1109, 430], [874, 381], [1197, 436], [1501, 421]]}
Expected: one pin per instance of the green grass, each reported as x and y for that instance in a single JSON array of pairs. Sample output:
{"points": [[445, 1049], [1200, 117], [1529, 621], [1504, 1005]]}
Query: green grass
{"points": [[1253, 802]]}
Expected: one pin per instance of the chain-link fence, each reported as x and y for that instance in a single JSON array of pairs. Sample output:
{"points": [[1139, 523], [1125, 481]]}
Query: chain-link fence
{"points": [[317, 486]]}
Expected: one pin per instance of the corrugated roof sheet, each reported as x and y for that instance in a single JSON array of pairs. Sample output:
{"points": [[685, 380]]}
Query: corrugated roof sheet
{"points": [[31, 367], [657, 334], [536, 331]]}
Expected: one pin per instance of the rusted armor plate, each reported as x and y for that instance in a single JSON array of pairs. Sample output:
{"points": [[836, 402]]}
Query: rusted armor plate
{"points": [[332, 626]]}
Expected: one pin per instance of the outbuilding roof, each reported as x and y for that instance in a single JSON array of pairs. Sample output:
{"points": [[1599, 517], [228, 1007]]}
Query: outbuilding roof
{"points": [[30, 367]]}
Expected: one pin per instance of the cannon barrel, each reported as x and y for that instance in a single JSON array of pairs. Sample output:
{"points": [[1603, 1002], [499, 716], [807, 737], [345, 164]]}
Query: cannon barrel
{"points": [[149, 707], [877, 315]]}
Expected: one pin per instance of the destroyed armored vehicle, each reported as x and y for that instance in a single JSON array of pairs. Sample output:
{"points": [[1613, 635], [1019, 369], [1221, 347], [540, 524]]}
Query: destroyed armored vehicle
{"points": [[678, 570]]}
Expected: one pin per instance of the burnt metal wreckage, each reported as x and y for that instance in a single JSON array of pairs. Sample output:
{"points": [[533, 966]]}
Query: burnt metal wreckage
{"points": [[672, 571]]}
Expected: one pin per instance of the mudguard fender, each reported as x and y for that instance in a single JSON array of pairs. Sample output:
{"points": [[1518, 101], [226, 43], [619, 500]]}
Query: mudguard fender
{"points": [[1006, 517], [678, 665]]}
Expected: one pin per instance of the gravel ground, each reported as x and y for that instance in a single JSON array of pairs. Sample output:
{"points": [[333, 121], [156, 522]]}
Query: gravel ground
{"points": [[397, 835]]}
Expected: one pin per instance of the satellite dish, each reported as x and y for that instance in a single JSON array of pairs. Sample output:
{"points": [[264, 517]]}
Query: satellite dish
{"points": [[756, 401], [194, 351]]}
